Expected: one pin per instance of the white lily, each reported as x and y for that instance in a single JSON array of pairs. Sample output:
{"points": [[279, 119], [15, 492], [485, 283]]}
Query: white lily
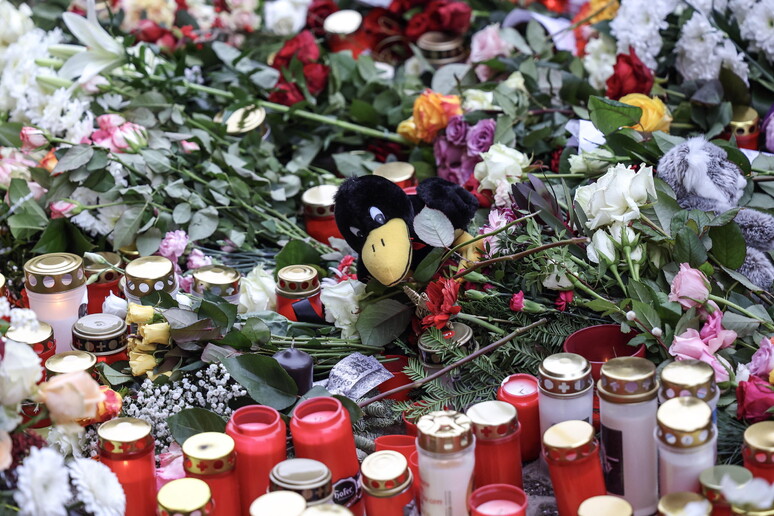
{"points": [[104, 53]]}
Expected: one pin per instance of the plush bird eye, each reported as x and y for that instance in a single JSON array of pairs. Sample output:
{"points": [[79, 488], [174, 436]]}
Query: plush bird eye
{"points": [[377, 215], [356, 231]]}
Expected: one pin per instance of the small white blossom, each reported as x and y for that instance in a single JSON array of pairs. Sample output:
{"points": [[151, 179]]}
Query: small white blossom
{"points": [[44, 486], [631, 315]]}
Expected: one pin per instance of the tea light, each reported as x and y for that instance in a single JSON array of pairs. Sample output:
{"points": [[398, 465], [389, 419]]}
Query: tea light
{"points": [[218, 280], [106, 283], [147, 275]]}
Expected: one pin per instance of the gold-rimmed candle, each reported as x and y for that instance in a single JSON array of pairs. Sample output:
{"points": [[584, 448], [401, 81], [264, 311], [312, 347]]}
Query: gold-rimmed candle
{"points": [[680, 502], [210, 456], [758, 450], [319, 219], [442, 48], [70, 362], [41, 340], [399, 172], [217, 280], [185, 497], [106, 282], [565, 390], [147, 275], [104, 335]]}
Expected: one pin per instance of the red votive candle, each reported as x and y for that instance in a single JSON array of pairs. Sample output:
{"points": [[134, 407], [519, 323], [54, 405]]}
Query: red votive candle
{"points": [[414, 466], [498, 450], [210, 456], [710, 480], [521, 391], [41, 340], [319, 219], [298, 294], [322, 430], [758, 450], [106, 283], [572, 455], [259, 437], [387, 484], [343, 32], [399, 378], [126, 446], [498, 499]]}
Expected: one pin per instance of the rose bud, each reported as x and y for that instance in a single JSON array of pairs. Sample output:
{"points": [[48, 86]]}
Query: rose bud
{"points": [[155, 333], [139, 314]]}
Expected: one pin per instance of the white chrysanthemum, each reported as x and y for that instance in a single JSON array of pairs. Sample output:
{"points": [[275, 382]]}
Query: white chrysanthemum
{"points": [[44, 486], [707, 6], [638, 24], [97, 487], [599, 60], [733, 60], [740, 9], [702, 50], [758, 26]]}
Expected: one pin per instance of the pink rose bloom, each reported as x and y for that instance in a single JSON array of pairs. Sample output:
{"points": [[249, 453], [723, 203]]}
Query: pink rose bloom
{"points": [[171, 466], [61, 209], [37, 191], [185, 283], [517, 301], [690, 345], [13, 163], [762, 361], [123, 138], [197, 259], [32, 138], [714, 335], [189, 147], [485, 45], [110, 122], [174, 244], [690, 287]]}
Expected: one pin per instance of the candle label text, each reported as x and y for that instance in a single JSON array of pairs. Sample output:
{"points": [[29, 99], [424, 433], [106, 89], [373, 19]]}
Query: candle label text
{"points": [[346, 491], [612, 459]]}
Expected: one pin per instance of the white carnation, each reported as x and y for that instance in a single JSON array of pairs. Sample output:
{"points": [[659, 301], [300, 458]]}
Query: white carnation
{"points": [[501, 164], [342, 304], [97, 487], [599, 60], [44, 486], [638, 24], [702, 50]]}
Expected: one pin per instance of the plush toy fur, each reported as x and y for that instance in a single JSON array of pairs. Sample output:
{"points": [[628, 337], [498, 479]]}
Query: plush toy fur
{"points": [[703, 178]]}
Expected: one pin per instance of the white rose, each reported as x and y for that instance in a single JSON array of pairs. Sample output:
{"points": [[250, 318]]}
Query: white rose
{"points": [[478, 100], [115, 305], [637, 254], [616, 196], [623, 235], [10, 417], [19, 372], [515, 81], [593, 162], [556, 279], [500, 164], [257, 292], [342, 304], [601, 248], [284, 17]]}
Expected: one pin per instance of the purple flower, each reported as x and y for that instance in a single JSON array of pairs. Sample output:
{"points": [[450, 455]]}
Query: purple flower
{"points": [[454, 174], [762, 361], [768, 130], [446, 153], [174, 244], [481, 137], [457, 130]]}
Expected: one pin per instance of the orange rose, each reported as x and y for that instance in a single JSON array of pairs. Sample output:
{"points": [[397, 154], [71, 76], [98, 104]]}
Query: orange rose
{"points": [[49, 161], [432, 112], [107, 409], [70, 397]]}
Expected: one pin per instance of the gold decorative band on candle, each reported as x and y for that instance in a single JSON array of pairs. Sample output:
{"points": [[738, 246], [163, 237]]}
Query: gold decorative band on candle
{"points": [[676, 503], [297, 281], [627, 380], [54, 272], [689, 377], [565, 374], [441, 48], [71, 362], [318, 201], [100, 334], [150, 274], [218, 280], [493, 420], [759, 442], [569, 441], [444, 431], [744, 121], [307, 477], [343, 23], [105, 273], [711, 478], [209, 453], [185, 497], [385, 473], [399, 172], [684, 422], [460, 336], [125, 436], [41, 340], [128, 253], [243, 120]]}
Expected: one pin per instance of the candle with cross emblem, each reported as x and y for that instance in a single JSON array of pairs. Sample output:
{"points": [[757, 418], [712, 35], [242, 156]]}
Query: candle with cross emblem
{"points": [[210, 456], [628, 402], [498, 443], [309, 478], [126, 446], [565, 390], [104, 335]]}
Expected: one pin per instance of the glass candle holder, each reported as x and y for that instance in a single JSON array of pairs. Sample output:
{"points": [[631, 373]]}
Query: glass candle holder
{"points": [[572, 455], [103, 335], [710, 480], [217, 280], [259, 436], [309, 478], [56, 287], [298, 294], [321, 430], [41, 340], [498, 444], [446, 453], [627, 413], [278, 503], [399, 172], [319, 219], [147, 275], [521, 391], [387, 484], [343, 32], [684, 502], [498, 499], [686, 440], [690, 378], [106, 283], [185, 497], [565, 390], [758, 450], [210, 456], [605, 506], [126, 446], [71, 362]]}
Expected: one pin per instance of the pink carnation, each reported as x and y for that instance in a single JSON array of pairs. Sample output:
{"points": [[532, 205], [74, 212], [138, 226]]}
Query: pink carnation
{"points": [[485, 45], [197, 259], [174, 244], [517, 301]]}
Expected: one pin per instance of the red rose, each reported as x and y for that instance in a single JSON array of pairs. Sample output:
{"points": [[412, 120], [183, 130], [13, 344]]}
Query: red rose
{"points": [[401, 6], [316, 76], [149, 31], [630, 75], [383, 150], [303, 46], [418, 25], [318, 11], [485, 198], [754, 397], [450, 16], [286, 93]]}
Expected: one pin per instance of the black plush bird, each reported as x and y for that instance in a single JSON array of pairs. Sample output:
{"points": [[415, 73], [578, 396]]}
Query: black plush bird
{"points": [[376, 218]]}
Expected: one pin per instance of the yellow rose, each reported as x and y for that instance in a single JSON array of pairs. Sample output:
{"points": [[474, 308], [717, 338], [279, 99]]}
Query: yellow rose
{"points": [[408, 129], [141, 363], [432, 112], [604, 9], [155, 333], [655, 116], [139, 314]]}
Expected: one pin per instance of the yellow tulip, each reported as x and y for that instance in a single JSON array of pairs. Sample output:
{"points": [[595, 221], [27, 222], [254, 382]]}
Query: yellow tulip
{"points": [[655, 115]]}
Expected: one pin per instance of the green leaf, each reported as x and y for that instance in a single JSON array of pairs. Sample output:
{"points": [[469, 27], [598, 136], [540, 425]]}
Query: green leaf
{"points": [[609, 115], [156, 160], [203, 224], [264, 379], [194, 421], [150, 99], [689, 249], [382, 322], [355, 412], [743, 326], [434, 228], [62, 236], [111, 376], [296, 252], [256, 331], [149, 242], [10, 134], [127, 226], [728, 245], [600, 305], [363, 113], [182, 213], [211, 310], [647, 314], [74, 158]]}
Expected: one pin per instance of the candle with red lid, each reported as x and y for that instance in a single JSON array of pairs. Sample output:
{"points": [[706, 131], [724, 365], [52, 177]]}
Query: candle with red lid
{"points": [[521, 391], [259, 437], [298, 294], [126, 446], [210, 456], [498, 500], [758, 450], [319, 219], [498, 450], [322, 430]]}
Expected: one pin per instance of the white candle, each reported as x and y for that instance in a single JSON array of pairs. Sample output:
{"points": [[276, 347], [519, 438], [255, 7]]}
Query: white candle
{"points": [[566, 390]]}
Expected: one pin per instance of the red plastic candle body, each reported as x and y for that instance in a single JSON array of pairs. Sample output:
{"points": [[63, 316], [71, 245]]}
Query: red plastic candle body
{"points": [[414, 466], [764, 470], [498, 499], [259, 438], [322, 228], [127, 448], [98, 292], [322, 430], [210, 456], [387, 485], [572, 455], [285, 306], [298, 294], [521, 391], [399, 378], [498, 449], [758, 450]]}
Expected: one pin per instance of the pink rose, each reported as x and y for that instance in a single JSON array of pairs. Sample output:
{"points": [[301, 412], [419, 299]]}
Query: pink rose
{"points": [[185, 283], [36, 190], [189, 147], [762, 361], [13, 163], [61, 209], [6, 445], [197, 259], [174, 244], [130, 136], [92, 86], [690, 287], [485, 45], [714, 335], [109, 122], [70, 397], [32, 138], [171, 466], [690, 345], [517, 301]]}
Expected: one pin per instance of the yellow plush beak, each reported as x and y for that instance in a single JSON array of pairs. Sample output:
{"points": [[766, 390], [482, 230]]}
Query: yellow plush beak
{"points": [[387, 252]]}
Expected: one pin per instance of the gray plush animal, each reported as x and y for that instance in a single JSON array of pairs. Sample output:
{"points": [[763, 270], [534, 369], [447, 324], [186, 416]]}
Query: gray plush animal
{"points": [[703, 178]]}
